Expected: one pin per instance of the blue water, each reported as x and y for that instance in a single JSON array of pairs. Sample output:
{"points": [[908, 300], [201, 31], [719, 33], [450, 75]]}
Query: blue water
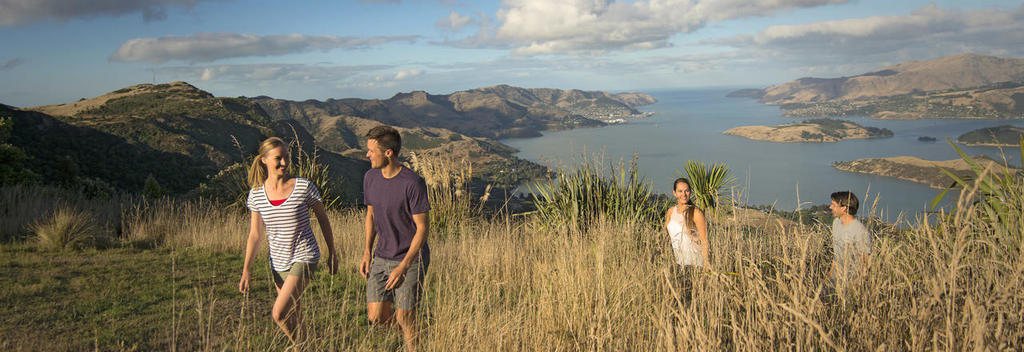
{"points": [[688, 124]]}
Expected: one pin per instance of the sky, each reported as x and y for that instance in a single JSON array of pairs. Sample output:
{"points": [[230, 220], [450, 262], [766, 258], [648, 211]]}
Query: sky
{"points": [[59, 51]]}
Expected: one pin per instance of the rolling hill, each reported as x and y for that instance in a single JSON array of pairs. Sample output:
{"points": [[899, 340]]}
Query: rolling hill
{"points": [[961, 86]]}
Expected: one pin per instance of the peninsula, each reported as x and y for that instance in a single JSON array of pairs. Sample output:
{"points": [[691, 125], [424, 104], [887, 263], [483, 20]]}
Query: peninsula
{"points": [[1000, 136], [916, 169], [810, 131]]}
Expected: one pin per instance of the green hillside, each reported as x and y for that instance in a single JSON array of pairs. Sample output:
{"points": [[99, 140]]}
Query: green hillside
{"points": [[1005, 135]]}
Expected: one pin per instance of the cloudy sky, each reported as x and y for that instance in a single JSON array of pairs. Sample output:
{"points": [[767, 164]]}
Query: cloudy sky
{"points": [[57, 51]]}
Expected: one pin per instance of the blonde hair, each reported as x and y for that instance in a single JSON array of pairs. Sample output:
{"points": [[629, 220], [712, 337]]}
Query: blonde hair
{"points": [[258, 170]]}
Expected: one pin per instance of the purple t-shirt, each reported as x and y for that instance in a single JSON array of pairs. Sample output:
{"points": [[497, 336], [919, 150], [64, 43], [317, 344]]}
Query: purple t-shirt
{"points": [[394, 202]]}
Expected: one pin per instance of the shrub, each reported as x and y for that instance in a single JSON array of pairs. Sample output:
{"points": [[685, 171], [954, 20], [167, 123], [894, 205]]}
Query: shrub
{"points": [[66, 228]]}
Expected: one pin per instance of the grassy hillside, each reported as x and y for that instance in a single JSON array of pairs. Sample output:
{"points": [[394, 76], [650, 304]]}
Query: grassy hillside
{"points": [[70, 155], [997, 101], [527, 283]]}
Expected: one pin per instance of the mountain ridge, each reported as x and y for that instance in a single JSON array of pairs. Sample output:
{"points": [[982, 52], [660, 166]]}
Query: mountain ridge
{"points": [[960, 86], [952, 72]]}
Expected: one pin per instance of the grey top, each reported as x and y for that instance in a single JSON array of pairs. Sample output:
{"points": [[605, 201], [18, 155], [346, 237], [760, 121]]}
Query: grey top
{"points": [[849, 243]]}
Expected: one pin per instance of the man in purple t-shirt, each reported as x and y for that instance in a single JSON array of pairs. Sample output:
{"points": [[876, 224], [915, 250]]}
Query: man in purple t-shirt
{"points": [[396, 216]]}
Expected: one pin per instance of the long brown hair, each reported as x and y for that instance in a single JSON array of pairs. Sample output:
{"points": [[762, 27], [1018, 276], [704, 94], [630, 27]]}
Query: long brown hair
{"points": [[258, 170], [688, 214]]}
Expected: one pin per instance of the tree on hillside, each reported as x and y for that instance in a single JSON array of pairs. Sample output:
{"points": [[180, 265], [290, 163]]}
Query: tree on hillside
{"points": [[13, 160]]}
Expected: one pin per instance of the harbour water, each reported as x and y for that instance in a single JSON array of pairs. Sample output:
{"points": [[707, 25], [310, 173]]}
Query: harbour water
{"points": [[688, 124]]}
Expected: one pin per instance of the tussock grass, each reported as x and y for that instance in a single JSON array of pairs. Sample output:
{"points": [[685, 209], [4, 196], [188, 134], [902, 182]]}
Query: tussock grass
{"points": [[67, 228]]}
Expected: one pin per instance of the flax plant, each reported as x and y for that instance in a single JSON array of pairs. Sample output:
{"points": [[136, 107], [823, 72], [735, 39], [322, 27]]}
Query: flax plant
{"points": [[709, 183], [592, 188], [996, 194]]}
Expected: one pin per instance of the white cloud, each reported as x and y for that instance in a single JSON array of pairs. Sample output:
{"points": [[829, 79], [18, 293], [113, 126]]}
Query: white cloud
{"points": [[207, 74], [454, 22], [407, 74], [14, 12], [925, 33], [205, 47], [267, 73], [595, 26]]}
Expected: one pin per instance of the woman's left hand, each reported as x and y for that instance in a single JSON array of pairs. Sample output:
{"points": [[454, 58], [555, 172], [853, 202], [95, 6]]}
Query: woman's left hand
{"points": [[332, 263]]}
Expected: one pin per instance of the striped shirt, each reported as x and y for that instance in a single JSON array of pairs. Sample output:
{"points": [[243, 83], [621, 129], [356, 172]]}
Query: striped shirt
{"points": [[289, 236]]}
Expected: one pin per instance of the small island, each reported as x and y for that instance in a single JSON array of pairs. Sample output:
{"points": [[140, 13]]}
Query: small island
{"points": [[926, 139], [810, 131], [1000, 136], [916, 169]]}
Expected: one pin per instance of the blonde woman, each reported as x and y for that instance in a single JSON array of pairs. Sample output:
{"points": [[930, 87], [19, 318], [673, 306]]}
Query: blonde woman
{"points": [[687, 229], [279, 204]]}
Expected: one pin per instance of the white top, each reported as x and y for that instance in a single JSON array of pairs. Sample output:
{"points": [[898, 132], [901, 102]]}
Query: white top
{"points": [[684, 239], [289, 235]]}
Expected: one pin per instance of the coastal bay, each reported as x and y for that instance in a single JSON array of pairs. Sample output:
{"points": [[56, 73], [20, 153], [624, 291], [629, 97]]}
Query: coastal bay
{"points": [[688, 124]]}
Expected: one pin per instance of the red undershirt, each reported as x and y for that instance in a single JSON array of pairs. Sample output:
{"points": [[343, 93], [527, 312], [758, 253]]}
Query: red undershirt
{"points": [[277, 202]]}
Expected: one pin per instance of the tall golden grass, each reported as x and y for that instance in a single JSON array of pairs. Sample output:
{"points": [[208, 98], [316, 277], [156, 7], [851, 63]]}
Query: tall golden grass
{"points": [[949, 282]]}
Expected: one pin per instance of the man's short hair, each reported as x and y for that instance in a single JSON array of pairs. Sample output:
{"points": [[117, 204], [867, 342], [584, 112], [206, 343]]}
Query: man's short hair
{"points": [[387, 137], [847, 199]]}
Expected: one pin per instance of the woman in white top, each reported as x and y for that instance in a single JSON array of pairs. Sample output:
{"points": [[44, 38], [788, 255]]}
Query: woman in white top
{"points": [[280, 204], [687, 228]]}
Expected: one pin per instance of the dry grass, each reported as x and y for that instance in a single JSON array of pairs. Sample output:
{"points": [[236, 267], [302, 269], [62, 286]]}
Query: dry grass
{"points": [[181, 224], [21, 206], [521, 284]]}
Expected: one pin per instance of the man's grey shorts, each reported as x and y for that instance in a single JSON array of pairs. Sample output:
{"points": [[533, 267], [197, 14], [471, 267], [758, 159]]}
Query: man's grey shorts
{"points": [[407, 294]]}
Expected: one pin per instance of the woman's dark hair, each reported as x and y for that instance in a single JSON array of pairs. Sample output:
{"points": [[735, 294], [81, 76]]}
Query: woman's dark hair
{"points": [[688, 214]]}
